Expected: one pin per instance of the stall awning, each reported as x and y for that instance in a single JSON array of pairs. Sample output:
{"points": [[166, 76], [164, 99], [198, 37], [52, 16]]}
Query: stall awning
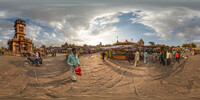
{"points": [[118, 46]]}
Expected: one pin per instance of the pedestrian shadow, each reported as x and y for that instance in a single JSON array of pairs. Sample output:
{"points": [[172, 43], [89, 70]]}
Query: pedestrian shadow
{"points": [[121, 71], [118, 62], [46, 73], [177, 70], [55, 83], [17, 62]]}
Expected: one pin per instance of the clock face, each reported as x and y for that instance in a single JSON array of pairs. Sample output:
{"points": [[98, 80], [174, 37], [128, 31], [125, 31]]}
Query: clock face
{"points": [[20, 25]]}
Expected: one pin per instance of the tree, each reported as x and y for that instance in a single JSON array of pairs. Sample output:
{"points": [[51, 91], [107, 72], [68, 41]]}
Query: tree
{"points": [[185, 45], [193, 45], [43, 46], [151, 43], [167, 47], [85, 45], [189, 45], [33, 46]]}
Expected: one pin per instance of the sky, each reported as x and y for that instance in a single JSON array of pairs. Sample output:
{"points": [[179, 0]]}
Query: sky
{"points": [[55, 22]]}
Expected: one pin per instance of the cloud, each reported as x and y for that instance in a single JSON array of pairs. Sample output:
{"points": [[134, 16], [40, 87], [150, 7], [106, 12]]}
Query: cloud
{"points": [[108, 19], [104, 30], [53, 35], [5, 27], [46, 35], [6, 37], [33, 31], [196, 41], [57, 25], [169, 23], [149, 34]]}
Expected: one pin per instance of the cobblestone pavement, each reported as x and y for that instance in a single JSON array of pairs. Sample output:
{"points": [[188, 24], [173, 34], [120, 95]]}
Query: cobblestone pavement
{"points": [[109, 79]]}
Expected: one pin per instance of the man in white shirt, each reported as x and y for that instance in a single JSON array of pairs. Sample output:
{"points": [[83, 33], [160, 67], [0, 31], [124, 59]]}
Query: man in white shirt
{"points": [[145, 56], [35, 57], [168, 56]]}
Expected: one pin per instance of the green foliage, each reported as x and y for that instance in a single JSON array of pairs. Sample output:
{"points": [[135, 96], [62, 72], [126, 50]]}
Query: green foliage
{"points": [[189, 45], [33, 46], [194, 45], [151, 43], [43, 46]]}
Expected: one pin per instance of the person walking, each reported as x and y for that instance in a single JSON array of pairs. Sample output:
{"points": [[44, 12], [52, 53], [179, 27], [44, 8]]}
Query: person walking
{"points": [[154, 58], [73, 62], [130, 56], [0, 52], [141, 55], [103, 55], [145, 56], [163, 57], [3, 51], [110, 54], [177, 56], [137, 58], [106, 54], [168, 56], [174, 54], [127, 57]]}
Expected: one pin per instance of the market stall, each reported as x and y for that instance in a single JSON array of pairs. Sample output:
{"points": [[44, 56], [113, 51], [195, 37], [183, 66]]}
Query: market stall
{"points": [[119, 51]]}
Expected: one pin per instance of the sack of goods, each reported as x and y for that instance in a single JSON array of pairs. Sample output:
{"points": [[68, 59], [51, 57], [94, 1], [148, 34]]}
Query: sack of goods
{"points": [[78, 71]]}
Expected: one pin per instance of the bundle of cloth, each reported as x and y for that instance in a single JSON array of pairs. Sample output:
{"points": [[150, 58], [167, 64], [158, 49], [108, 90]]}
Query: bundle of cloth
{"points": [[78, 71]]}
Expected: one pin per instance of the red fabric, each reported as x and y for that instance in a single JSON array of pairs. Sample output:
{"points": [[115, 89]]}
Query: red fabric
{"points": [[177, 55], [78, 71]]}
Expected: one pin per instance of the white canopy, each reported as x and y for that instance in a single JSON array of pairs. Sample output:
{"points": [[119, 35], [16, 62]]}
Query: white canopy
{"points": [[117, 46]]}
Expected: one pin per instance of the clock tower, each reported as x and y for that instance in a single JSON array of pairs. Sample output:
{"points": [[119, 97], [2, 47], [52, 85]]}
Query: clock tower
{"points": [[19, 28], [19, 43]]}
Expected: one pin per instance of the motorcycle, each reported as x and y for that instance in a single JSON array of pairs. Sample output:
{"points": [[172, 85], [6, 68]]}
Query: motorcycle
{"points": [[31, 62]]}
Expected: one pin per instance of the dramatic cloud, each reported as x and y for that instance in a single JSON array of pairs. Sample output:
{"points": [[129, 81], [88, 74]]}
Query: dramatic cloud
{"points": [[33, 32], [168, 23], [196, 41], [104, 30], [5, 27]]}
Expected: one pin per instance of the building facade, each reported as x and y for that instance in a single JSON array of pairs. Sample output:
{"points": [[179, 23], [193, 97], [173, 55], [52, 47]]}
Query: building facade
{"points": [[140, 43], [19, 43]]}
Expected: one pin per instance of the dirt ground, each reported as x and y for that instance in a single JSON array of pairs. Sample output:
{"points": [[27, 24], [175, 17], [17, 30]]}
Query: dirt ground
{"points": [[109, 80]]}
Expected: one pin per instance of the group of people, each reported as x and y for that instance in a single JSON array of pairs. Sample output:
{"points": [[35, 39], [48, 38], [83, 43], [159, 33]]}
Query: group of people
{"points": [[2, 52], [106, 54], [165, 56], [37, 56]]}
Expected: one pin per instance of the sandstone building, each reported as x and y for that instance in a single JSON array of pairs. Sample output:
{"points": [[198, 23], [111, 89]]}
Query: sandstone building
{"points": [[19, 43], [140, 43]]}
